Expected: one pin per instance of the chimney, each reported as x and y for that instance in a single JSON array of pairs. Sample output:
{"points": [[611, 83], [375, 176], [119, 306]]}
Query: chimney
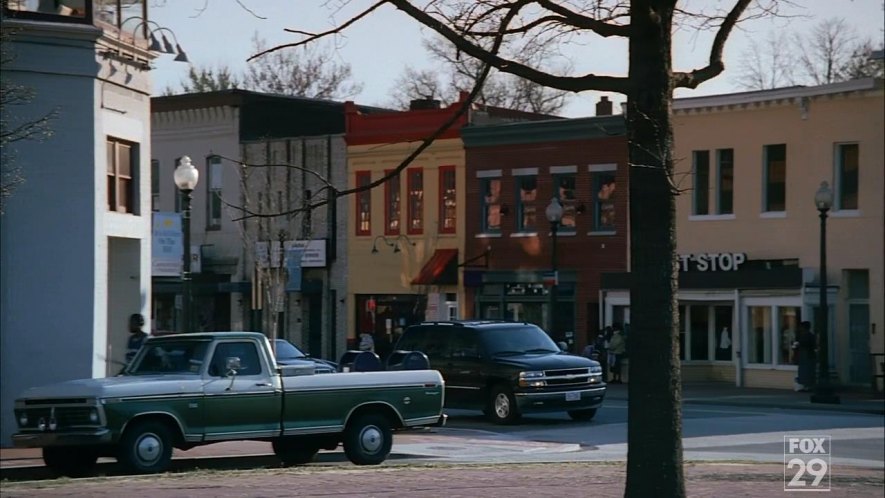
{"points": [[604, 107], [423, 104]]}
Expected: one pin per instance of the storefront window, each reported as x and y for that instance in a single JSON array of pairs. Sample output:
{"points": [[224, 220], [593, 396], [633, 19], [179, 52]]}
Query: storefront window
{"points": [[788, 324], [722, 327], [759, 335], [682, 333], [700, 332]]}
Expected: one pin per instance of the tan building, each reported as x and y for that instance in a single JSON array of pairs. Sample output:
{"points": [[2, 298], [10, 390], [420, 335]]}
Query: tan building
{"points": [[404, 237], [748, 230]]}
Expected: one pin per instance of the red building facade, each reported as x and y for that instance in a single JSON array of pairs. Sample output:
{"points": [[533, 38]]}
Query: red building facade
{"points": [[512, 173]]}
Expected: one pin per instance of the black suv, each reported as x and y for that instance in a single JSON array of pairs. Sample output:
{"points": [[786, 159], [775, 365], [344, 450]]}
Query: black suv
{"points": [[506, 369]]}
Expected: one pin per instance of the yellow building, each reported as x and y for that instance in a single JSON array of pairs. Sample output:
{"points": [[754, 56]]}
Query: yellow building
{"points": [[406, 236], [748, 230]]}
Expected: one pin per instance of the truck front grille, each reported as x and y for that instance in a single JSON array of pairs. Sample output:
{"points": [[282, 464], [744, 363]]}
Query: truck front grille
{"points": [[571, 377]]}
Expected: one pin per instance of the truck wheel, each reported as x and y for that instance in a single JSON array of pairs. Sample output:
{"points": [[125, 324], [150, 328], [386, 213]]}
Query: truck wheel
{"points": [[71, 461], [294, 452], [502, 405], [582, 415], [368, 439], [146, 448]]}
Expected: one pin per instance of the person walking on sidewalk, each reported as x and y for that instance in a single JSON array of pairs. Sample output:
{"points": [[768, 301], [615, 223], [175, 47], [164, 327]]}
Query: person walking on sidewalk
{"points": [[617, 347], [804, 351]]}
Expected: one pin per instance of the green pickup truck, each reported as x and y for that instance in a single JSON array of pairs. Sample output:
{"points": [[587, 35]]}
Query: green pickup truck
{"points": [[188, 390]]}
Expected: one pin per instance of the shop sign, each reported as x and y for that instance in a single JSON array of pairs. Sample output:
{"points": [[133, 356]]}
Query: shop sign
{"points": [[712, 261]]}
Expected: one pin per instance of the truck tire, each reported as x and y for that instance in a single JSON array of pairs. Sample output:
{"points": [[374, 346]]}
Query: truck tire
{"points": [[582, 415], [368, 439], [292, 451], [502, 407], [71, 461], [146, 447]]}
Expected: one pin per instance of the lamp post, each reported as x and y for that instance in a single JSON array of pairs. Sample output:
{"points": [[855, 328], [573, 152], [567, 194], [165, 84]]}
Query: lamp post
{"points": [[554, 216], [823, 392], [186, 177]]}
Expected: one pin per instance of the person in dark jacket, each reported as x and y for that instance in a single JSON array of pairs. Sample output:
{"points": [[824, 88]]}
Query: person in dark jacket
{"points": [[136, 336], [805, 356]]}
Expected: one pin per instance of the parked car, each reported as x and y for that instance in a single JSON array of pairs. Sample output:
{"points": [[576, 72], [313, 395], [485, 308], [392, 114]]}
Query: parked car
{"points": [[506, 369], [289, 354], [188, 390]]}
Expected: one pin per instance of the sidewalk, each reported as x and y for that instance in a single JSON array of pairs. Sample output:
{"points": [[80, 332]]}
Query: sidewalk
{"points": [[722, 393]]}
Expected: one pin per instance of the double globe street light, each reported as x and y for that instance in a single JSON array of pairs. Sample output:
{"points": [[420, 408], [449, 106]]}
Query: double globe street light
{"points": [[554, 216], [823, 393], [186, 177]]}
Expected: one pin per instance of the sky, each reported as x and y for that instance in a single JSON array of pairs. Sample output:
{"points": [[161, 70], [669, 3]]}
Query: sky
{"points": [[379, 47]]}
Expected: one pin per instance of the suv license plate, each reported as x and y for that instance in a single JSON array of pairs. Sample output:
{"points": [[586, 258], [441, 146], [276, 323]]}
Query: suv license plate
{"points": [[573, 396]]}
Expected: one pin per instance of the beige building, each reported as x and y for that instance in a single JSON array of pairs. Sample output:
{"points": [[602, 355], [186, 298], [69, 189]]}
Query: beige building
{"points": [[748, 230]]}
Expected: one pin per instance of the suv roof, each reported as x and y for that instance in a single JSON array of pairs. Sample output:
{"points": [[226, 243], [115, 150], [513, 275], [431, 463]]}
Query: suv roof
{"points": [[474, 323]]}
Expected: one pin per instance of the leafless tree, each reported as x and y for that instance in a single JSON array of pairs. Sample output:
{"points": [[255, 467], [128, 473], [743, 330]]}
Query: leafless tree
{"points": [[308, 71], [831, 52], [17, 121], [654, 427], [501, 89]]}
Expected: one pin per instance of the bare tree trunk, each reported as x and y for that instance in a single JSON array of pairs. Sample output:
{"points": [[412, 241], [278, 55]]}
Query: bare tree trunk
{"points": [[654, 424]]}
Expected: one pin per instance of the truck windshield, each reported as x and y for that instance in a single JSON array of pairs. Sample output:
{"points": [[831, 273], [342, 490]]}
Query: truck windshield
{"points": [[517, 340], [178, 357]]}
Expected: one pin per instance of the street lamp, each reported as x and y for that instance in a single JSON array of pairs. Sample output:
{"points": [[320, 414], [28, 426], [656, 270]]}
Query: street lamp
{"points": [[186, 177], [554, 216], [823, 393]]}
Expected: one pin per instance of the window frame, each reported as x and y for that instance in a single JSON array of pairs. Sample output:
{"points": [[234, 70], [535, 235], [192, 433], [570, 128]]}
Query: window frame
{"points": [[415, 201], [839, 174], [518, 178], [363, 199], [700, 182], [114, 177], [720, 210], [446, 195], [766, 179], [388, 208], [155, 185], [214, 189], [569, 206], [485, 186], [596, 172]]}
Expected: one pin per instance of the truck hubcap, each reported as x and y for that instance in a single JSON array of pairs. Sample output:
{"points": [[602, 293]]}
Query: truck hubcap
{"points": [[148, 448], [371, 439], [502, 405]]}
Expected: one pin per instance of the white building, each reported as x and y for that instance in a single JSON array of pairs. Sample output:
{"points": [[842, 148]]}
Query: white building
{"points": [[75, 240]]}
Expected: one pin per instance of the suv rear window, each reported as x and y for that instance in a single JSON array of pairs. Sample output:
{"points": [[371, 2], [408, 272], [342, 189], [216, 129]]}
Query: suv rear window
{"points": [[517, 340]]}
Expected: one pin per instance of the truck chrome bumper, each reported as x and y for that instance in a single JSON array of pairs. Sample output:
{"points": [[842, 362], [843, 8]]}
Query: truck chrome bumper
{"points": [[42, 439]]}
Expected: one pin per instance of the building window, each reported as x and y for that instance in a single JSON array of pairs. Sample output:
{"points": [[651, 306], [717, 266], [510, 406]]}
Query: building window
{"points": [[447, 202], [788, 324], [391, 205], [725, 181], [176, 190], [701, 184], [699, 317], [771, 334], [416, 201], [603, 185], [155, 185], [564, 190], [526, 207], [122, 165], [759, 335], [363, 204], [491, 205], [213, 198], [847, 176], [775, 199]]}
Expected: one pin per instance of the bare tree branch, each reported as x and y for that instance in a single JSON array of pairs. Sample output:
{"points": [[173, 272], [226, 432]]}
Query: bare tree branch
{"points": [[716, 66]]}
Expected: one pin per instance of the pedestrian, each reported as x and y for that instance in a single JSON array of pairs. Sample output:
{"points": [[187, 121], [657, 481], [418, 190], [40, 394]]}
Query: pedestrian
{"points": [[617, 347], [367, 342], [136, 336], [805, 356]]}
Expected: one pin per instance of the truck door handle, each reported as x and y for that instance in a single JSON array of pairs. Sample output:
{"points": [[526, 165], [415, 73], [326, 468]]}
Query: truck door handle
{"points": [[263, 384]]}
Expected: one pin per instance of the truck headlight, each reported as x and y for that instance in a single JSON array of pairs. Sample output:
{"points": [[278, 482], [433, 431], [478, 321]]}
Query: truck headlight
{"points": [[532, 379], [596, 369], [23, 419]]}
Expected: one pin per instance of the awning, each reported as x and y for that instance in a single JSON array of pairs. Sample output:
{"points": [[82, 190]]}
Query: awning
{"points": [[441, 269]]}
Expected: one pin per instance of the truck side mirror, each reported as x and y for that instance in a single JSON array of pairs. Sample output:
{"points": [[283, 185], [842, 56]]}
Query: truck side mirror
{"points": [[231, 365]]}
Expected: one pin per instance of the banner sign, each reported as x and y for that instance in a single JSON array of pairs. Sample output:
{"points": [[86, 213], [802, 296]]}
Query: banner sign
{"points": [[293, 268], [166, 245]]}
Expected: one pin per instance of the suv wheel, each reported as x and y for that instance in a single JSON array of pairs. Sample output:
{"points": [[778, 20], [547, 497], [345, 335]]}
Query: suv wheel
{"points": [[502, 405]]}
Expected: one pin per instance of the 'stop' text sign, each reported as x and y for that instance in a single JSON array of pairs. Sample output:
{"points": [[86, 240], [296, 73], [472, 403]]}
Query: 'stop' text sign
{"points": [[725, 261]]}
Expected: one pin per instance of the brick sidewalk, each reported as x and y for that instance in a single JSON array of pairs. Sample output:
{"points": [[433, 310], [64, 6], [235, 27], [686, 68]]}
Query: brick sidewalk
{"points": [[562, 480]]}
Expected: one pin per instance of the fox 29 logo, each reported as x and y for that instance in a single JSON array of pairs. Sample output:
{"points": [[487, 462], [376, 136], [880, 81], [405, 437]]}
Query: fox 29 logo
{"points": [[807, 463]]}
